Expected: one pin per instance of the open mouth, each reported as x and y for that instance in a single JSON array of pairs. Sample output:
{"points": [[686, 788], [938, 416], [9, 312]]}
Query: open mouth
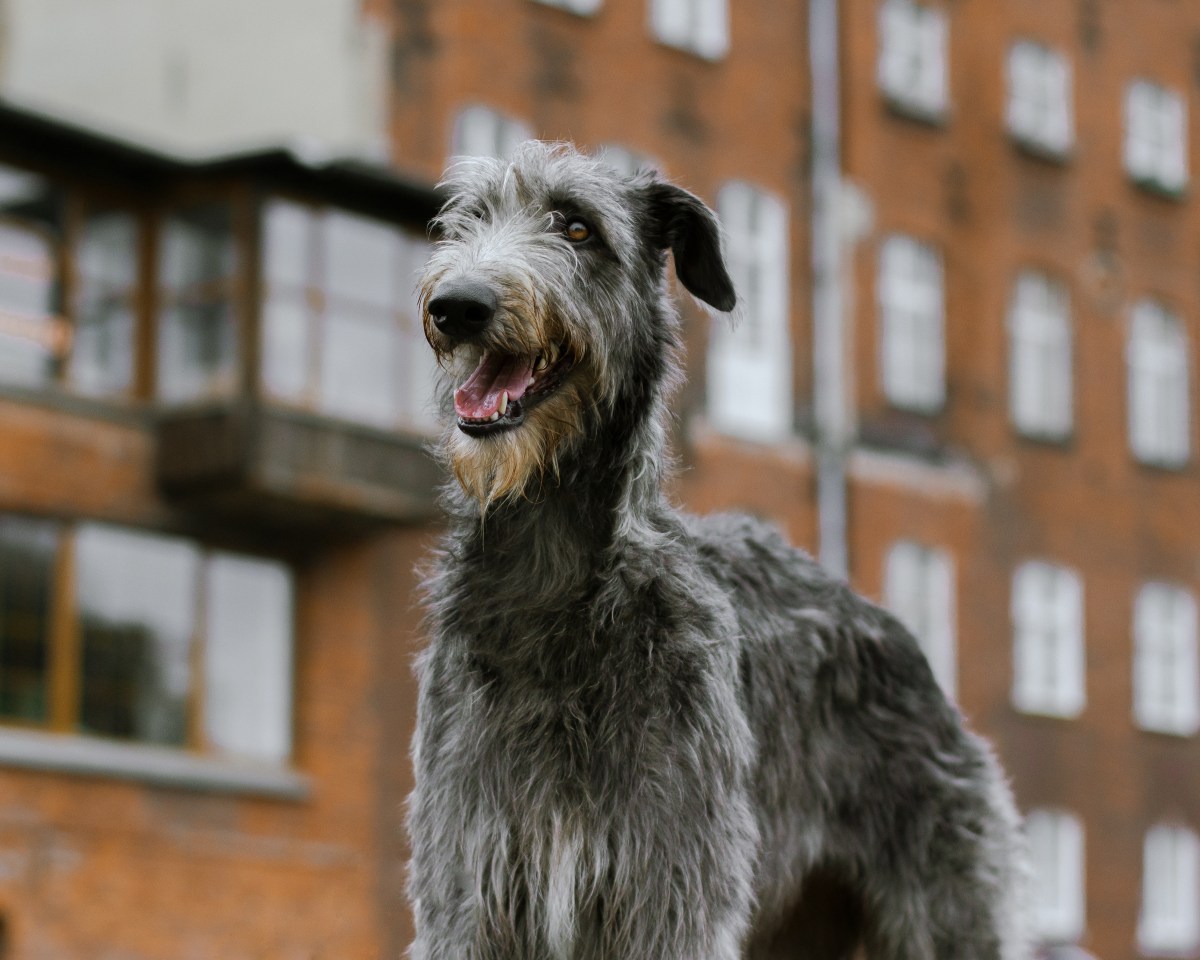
{"points": [[505, 387]]}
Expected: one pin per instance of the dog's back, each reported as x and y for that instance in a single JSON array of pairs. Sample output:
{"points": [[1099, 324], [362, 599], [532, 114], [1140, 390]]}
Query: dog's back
{"points": [[866, 781]]}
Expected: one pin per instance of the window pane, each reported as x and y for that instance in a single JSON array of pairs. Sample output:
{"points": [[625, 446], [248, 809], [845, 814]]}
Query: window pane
{"points": [[290, 232], [136, 596], [287, 347], [197, 355], [1056, 854], [27, 554], [248, 659], [360, 260], [359, 366], [103, 345], [419, 363], [31, 331], [287, 244]]}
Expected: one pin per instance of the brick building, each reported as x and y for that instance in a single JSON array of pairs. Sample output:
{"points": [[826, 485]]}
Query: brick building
{"points": [[967, 243], [965, 239], [213, 494]]}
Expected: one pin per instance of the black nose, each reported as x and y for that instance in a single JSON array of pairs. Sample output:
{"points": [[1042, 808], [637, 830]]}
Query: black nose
{"points": [[463, 308]]}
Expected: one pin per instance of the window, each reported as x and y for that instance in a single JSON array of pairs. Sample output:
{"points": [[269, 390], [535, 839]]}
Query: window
{"points": [[146, 638], [341, 332], [1056, 859], [912, 315], [482, 132], [1047, 612], [1156, 354], [1155, 136], [1166, 683], [197, 335], [1170, 914], [912, 58], [919, 590], [1039, 97], [623, 160], [28, 550], [582, 7], [701, 26], [1040, 357], [87, 345], [105, 309], [33, 335], [749, 366]]}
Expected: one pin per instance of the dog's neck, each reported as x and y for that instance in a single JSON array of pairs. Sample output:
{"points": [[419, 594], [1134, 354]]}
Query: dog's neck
{"points": [[605, 502]]}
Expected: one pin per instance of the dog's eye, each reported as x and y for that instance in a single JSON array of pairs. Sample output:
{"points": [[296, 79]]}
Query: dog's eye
{"points": [[577, 231]]}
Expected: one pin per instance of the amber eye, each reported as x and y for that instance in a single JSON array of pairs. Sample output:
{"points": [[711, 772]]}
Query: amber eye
{"points": [[577, 231]]}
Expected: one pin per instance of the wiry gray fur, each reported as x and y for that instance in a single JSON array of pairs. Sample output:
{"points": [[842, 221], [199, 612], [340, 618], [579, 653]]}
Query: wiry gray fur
{"points": [[651, 736]]}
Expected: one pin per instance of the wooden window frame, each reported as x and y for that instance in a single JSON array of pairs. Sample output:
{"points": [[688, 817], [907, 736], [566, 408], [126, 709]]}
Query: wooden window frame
{"points": [[237, 195], [64, 681], [80, 198]]}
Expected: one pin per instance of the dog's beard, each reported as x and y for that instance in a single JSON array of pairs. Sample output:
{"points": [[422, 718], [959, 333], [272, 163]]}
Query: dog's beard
{"points": [[516, 462]]}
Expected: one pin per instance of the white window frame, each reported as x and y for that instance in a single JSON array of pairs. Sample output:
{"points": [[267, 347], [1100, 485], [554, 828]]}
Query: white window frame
{"points": [[1048, 640], [1040, 342], [1056, 853], [1166, 676], [1159, 392], [912, 316], [482, 131], [919, 590], [1169, 919], [1156, 141], [749, 377], [1039, 98], [913, 65], [584, 8], [698, 26]]}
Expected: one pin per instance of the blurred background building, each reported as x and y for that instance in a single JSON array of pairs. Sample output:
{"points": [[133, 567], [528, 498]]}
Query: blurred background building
{"points": [[965, 240]]}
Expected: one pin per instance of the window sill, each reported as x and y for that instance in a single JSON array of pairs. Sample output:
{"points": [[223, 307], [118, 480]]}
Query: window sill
{"points": [[704, 56], [1156, 188], [1041, 151], [1179, 732], [1046, 712], [937, 118], [1064, 441], [572, 10], [1162, 464], [144, 763], [121, 410]]}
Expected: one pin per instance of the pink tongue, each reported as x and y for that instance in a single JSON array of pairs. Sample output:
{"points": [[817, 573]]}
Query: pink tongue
{"points": [[479, 397]]}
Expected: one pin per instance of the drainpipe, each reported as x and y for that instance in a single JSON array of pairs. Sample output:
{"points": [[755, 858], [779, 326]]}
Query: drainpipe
{"points": [[832, 419]]}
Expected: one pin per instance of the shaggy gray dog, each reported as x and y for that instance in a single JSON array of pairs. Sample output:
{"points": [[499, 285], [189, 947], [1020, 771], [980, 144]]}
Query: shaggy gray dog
{"points": [[644, 734]]}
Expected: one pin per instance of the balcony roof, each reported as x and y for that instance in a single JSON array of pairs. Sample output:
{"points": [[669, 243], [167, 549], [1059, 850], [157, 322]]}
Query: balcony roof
{"points": [[43, 141]]}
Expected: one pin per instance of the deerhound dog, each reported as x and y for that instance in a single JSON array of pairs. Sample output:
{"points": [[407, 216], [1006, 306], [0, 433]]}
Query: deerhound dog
{"points": [[644, 735]]}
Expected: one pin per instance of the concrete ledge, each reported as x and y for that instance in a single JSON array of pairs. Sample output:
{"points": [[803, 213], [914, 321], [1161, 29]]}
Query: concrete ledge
{"points": [[159, 766]]}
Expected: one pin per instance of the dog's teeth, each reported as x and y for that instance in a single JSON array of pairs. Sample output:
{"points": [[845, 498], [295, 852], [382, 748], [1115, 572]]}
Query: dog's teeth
{"points": [[504, 403], [494, 416]]}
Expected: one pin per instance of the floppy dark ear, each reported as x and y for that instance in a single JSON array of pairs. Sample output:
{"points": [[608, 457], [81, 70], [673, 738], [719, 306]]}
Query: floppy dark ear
{"points": [[684, 223]]}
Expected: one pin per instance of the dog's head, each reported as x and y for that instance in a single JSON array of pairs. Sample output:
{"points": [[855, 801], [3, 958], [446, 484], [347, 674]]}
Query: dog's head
{"points": [[545, 300]]}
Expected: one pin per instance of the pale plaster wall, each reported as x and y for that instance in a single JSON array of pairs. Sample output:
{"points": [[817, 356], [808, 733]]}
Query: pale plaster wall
{"points": [[203, 76]]}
